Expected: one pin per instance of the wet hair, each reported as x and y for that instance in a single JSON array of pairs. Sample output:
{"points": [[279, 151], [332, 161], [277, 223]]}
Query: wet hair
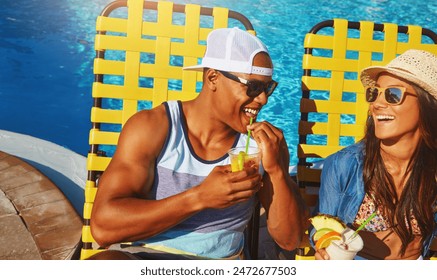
{"points": [[419, 195]]}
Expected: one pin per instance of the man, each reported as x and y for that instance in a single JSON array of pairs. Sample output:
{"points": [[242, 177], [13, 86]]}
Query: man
{"points": [[169, 186]]}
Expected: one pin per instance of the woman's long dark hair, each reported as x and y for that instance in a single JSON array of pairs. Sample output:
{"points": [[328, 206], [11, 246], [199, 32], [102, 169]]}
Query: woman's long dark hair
{"points": [[419, 195]]}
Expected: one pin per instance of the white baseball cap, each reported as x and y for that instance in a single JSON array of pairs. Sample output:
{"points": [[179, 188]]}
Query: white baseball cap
{"points": [[232, 50]]}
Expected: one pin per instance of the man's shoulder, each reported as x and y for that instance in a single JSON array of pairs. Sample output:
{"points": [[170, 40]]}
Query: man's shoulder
{"points": [[145, 131], [154, 116], [147, 122]]}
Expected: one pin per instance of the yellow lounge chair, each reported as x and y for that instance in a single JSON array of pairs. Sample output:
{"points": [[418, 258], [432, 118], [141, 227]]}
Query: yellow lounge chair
{"points": [[333, 107], [141, 47]]}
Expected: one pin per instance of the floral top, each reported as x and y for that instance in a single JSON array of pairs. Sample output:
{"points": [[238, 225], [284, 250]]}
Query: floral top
{"points": [[379, 222]]}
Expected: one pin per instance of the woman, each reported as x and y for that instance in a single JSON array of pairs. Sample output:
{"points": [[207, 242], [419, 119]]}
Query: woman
{"points": [[393, 170]]}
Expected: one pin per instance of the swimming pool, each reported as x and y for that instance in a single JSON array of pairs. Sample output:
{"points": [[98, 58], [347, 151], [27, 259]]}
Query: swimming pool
{"points": [[46, 53]]}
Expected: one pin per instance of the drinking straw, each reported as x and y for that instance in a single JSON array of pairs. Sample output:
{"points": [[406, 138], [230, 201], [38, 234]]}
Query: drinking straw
{"points": [[362, 225], [248, 136]]}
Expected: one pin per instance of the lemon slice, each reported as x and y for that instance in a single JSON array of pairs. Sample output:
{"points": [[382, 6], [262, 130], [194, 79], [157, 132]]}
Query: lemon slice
{"points": [[319, 233], [241, 159]]}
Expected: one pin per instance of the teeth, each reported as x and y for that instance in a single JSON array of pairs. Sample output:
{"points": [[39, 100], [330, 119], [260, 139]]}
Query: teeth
{"points": [[385, 117], [251, 111]]}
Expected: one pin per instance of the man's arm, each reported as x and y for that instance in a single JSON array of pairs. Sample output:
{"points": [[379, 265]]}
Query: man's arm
{"points": [[287, 214], [120, 211]]}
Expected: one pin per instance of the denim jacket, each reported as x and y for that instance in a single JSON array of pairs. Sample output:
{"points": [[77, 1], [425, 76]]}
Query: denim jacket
{"points": [[342, 187]]}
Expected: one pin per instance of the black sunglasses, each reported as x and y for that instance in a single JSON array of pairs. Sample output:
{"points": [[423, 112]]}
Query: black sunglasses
{"points": [[393, 95], [254, 88]]}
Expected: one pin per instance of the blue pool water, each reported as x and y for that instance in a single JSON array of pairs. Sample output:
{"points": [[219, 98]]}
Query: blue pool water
{"points": [[46, 53]]}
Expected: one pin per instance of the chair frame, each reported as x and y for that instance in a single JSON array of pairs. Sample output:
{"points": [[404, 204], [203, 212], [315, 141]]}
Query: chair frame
{"points": [[308, 172], [251, 233]]}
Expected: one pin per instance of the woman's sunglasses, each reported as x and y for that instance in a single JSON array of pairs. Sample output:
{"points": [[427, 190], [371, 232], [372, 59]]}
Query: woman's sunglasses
{"points": [[393, 95], [254, 88]]}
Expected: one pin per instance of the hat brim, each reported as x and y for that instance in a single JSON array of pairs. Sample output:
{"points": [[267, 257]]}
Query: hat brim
{"points": [[370, 75]]}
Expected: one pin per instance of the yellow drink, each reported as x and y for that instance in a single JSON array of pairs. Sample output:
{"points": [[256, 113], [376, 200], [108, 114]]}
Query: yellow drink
{"points": [[240, 160]]}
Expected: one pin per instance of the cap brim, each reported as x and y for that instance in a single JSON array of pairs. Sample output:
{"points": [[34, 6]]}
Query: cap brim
{"points": [[194, 68]]}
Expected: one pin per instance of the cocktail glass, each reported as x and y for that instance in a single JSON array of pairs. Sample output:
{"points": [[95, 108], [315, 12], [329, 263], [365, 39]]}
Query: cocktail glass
{"points": [[241, 160], [346, 248]]}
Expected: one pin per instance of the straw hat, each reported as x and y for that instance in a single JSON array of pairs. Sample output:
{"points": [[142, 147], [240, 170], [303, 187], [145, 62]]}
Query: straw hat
{"points": [[416, 66]]}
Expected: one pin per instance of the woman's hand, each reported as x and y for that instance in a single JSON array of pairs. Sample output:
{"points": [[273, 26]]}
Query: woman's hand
{"points": [[321, 254]]}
